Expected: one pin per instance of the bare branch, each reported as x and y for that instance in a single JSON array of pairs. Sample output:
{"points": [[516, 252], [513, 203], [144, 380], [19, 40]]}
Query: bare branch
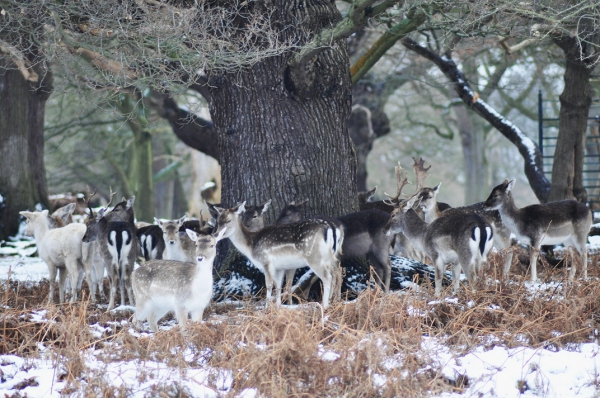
{"points": [[526, 146]]}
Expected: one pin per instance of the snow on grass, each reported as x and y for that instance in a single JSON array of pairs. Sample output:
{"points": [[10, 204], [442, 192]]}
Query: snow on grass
{"points": [[489, 369], [510, 372]]}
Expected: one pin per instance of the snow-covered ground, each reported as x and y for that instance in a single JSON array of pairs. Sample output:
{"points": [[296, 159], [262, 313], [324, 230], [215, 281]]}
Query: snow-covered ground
{"points": [[491, 370]]}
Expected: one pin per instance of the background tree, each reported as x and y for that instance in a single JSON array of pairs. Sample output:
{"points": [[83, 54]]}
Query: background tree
{"points": [[25, 85]]}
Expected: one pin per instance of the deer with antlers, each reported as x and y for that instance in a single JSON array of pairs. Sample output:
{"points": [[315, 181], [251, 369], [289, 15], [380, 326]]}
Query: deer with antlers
{"points": [[464, 239]]}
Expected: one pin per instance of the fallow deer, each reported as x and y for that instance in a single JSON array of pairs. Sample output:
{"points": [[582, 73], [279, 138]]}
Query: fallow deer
{"points": [[464, 238], [432, 209], [567, 222], [186, 288], [115, 232], [254, 218], [178, 245], [278, 248], [61, 250]]}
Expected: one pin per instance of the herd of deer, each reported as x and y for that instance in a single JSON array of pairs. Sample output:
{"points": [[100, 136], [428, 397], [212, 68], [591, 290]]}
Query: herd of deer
{"points": [[177, 272]]}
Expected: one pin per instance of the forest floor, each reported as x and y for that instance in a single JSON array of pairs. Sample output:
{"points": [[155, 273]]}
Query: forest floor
{"points": [[506, 338]]}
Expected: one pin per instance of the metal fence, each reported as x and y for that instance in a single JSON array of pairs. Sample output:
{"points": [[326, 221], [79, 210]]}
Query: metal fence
{"points": [[548, 134]]}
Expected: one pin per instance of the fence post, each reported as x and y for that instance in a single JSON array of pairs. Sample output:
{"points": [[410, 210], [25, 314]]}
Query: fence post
{"points": [[540, 123]]}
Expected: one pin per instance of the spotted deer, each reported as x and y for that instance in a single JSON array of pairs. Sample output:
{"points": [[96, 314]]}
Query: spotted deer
{"points": [[161, 286], [567, 222], [464, 239], [178, 245], [118, 245], [432, 209], [278, 248]]}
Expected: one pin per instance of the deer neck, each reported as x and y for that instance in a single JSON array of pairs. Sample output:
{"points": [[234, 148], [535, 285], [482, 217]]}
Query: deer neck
{"points": [[414, 227], [204, 269], [242, 238], [40, 230], [432, 213], [509, 211]]}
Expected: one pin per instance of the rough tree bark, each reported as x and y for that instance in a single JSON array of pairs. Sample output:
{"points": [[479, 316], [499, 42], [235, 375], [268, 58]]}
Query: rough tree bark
{"points": [[575, 101], [22, 172], [283, 130]]}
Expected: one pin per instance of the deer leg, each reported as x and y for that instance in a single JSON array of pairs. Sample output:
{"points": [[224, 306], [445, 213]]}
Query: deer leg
{"points": [[456, 267], [324, 273], [74, 276], [278, 283], [582, 251], [534, 252], [99, 272], [62, 277], [152, 321], [289, 281], [113, 291], [182, 315], [197, 315], [268, 282], [336, 290], [383, 259], [509, 255], [53, 270], [440, 266]]}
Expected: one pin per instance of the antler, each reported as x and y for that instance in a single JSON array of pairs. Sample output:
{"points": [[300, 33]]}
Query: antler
{"points": [[88, 203], [112, 195], [401, 183], [420, 172]]}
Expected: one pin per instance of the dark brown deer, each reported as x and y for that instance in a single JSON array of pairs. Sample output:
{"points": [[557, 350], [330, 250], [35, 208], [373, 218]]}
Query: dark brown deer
{"points": [[567, 222], [115, 232], [464, 239], [433, 210]]}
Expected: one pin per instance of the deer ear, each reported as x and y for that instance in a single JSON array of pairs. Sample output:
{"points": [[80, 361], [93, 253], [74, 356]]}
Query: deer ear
{"points": [[437, 188], [411, 201], [239, 209], [27, 214], [371, 192], [220, 235], [192, 234], [510, 185], [265, 206], [100, 213], [130, 202], [157, 221], [181, 220]]}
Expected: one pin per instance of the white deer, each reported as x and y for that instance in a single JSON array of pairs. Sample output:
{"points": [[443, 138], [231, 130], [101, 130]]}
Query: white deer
{"points": [[61, 250]]}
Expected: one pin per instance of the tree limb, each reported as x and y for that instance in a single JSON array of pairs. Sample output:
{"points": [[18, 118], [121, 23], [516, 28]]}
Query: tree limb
{"points": [[385, 42], [358, 14], [526, 146]]}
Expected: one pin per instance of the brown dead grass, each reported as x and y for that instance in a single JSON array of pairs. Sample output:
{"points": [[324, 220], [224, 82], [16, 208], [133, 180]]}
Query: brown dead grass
{"points": [[284, 351]]}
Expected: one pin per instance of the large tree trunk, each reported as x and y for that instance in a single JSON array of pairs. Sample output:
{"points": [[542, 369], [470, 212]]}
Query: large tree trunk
{"points": [[473, 146], [22, 172], [575, 101], [283, 133]]}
